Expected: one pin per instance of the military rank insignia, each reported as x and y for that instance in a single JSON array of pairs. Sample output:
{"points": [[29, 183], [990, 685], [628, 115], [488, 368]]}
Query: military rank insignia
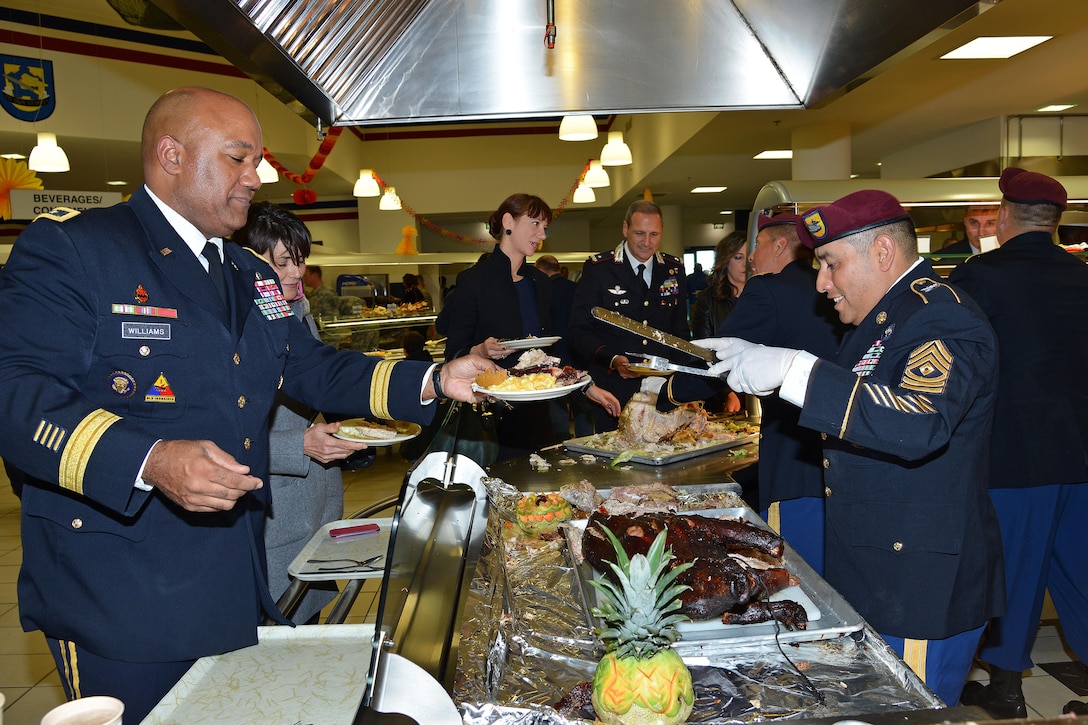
{"points": [[270, 300], [928, 368]]}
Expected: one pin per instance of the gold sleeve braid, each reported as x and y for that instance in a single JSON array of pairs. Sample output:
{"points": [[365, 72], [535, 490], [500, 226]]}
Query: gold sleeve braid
{"points": [[81, 444], [379, 389]]}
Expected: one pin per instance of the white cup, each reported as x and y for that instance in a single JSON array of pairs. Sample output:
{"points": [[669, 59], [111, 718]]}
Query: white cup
{"points": [[97, 710]]}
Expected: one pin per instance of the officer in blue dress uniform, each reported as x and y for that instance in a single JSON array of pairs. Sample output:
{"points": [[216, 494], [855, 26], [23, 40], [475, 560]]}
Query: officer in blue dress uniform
{"points": [[138, 369], [780, 306], [905, 409], [1036, 296], [637, 281]]}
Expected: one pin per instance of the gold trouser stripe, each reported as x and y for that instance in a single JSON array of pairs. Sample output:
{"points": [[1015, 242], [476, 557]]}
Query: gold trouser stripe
{"points": [[379, 389], [914, 654], [774, 517], [849, 405], [77, 454], [71, 666]]}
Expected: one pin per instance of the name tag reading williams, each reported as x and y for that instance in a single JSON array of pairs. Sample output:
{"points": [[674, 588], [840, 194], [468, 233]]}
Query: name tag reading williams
{"points": [[145, 330]]}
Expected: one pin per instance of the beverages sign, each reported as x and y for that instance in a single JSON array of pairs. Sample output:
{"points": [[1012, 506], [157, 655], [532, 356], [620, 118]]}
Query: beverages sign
{"points": [[29, 203]]}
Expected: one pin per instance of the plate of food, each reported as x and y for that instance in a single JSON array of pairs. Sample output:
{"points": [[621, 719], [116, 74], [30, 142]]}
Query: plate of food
{"points": [[535, 376], [526, 343], [377, 433]]}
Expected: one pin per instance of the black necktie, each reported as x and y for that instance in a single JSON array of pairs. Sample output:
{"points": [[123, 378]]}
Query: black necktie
{"points": [[642, 275], [215, 271]]}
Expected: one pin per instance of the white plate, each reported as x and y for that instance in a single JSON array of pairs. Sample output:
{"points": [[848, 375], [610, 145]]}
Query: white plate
{"points": [[526, 395], [405, 432], [527, 343]]}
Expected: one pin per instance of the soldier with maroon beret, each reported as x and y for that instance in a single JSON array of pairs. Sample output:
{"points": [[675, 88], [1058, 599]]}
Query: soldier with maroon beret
{"points": [[1036, 297], [904, 410]]}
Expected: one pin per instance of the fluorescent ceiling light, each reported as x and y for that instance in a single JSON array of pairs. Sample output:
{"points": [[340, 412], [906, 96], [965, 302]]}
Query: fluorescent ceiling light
{"points": [[775, 154], [725, 212], [116, 183], [708, 189], [14, 157], [1055, 107], [995, 47]]}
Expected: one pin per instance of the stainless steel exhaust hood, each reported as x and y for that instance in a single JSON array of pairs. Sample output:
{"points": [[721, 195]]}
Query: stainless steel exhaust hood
{"points": [[369, 62]]}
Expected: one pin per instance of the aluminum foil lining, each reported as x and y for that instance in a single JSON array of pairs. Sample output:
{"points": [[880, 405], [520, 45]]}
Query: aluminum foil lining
{"points": [[526, 641]]}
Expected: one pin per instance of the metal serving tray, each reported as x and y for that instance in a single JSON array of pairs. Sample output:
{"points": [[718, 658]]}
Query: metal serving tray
{"points": [[580, 445], [829, 614]]}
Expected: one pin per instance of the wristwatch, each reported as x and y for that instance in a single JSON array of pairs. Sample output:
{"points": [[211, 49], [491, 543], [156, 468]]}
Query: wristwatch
{"points": [[436, 381]]}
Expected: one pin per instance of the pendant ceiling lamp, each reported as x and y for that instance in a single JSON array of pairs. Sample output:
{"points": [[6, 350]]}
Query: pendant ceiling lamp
{"points": [[615, 152], [266, 173], [577, 128], [47, 156], [366, 185], [596, 177], [584, 194], [390, 201]]}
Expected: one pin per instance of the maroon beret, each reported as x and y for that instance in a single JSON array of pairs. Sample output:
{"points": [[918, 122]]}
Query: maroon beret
{"points": [[1028, 187], [857, 212], [763, 221]]}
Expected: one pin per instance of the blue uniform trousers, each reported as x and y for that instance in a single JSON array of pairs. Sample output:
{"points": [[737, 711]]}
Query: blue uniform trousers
{"points": [[139, 685], [1042, 530], [800, 521], [942, 664]]}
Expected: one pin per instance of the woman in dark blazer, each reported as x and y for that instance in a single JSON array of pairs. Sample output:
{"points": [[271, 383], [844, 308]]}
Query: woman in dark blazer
{"points": [[503, 297]]}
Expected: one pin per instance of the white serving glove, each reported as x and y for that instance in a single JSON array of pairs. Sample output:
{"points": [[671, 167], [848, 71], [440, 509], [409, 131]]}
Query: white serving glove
{"points": [[751, 368]]}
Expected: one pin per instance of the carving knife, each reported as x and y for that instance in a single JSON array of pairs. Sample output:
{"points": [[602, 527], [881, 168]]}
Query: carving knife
{"points": [[652, 333]]}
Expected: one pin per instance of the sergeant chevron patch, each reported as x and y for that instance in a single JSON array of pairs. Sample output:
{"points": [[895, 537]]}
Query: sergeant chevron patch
{"points": [[928, 368]]}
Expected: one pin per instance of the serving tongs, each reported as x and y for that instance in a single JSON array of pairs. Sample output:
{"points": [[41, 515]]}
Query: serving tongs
{"points": [[664, 365]]}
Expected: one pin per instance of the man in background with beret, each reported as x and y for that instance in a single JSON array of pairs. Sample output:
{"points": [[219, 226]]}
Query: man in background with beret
{"points": [[780, 306], [905, 410], [1036, 297]]}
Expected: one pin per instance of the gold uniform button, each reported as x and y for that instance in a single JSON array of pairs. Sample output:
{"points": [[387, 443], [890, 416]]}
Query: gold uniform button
{"points": [[823, 436], [241, 401], [77, 523], [237, 359], [645, 341], [827, 491], [144, 350], [898, 546], [646, 303], [247, 443], [827, 463]]}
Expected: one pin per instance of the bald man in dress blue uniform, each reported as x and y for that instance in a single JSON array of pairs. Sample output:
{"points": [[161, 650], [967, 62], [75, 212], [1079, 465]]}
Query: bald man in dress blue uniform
{"points": [[905, 409], [1036, 297], [780, 306], [139, 360]]}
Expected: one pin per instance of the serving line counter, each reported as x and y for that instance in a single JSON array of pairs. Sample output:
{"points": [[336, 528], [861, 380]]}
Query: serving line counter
{"points": [[501, 624]]}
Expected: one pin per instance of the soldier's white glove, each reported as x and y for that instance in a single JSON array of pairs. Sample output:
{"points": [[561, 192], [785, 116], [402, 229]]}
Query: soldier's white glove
{"points": [[754, 369]]}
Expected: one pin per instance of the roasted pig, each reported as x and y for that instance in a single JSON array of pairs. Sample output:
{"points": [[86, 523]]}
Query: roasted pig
{"points": [[723, 578]]}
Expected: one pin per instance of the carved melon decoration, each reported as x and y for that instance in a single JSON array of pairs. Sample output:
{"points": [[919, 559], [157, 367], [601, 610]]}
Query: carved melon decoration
{"points": [[542, 513]]}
